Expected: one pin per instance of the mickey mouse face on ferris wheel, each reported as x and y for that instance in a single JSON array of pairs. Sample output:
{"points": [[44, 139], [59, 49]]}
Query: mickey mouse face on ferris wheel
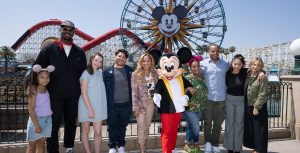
{"points": [[169, 23]]}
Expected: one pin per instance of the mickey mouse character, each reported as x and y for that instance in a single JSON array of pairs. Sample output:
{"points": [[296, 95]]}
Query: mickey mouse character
{"points": [[170, 96], [169, 23]]}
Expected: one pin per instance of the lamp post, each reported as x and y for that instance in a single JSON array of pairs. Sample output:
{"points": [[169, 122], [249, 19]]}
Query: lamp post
{"points": [[295, 50]]}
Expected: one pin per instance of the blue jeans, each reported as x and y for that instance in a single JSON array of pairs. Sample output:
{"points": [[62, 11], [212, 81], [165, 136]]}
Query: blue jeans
{"points": [[193, 127]]}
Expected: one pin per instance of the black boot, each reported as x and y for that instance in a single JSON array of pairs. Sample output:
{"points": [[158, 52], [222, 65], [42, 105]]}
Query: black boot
{"points": [[230, 151]]}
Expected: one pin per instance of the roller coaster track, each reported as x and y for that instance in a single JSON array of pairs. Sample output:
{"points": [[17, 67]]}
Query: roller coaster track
{"points": [[29, 44]]}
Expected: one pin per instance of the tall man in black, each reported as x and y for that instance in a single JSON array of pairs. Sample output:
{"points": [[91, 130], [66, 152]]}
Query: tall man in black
{"points": [[69, 61]]}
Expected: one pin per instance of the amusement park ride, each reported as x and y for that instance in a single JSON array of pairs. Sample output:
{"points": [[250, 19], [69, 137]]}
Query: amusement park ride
{"points": [[145, 24], [274, 56], [171, 24], [165, 25]]}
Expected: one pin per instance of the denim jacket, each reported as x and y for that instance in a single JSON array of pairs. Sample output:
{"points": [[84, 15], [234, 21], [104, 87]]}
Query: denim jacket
{"points": [[109, 81]]}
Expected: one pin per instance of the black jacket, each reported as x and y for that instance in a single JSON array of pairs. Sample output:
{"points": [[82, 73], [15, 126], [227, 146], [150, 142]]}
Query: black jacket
{"points": [[166, 104], [64, 81], [109, 81]]}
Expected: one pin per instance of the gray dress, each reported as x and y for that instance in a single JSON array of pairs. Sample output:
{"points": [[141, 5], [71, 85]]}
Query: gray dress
{"points": [[97, 96]]}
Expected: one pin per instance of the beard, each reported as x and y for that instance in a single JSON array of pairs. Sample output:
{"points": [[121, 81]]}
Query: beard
{"points": [[65, 36]]}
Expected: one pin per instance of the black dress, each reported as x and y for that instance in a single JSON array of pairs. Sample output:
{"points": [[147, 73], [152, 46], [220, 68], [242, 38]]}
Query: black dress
{"points": [[256, 128]]}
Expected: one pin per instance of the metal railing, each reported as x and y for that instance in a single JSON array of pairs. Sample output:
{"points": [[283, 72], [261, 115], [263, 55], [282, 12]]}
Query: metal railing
{"points": [[14, 111], [278, 104]]}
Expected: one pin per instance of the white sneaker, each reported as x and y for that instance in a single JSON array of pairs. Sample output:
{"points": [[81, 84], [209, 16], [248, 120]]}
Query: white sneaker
{"points": [[121, 150], [69, 150], [208, 148], [217, 149], [112, 150]]}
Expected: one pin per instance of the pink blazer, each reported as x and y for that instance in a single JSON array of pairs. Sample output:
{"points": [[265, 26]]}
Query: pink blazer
{"points": [[140, 98]]}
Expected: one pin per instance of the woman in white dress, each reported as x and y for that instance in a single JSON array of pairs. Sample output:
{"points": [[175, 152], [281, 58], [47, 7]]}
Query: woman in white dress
{"points": [[92, 102]]}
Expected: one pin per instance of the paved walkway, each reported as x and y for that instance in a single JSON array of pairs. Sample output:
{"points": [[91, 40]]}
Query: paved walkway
{"points": [[275, 146]]}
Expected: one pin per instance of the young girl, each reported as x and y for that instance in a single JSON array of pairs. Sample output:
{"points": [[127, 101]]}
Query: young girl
{"points": [[92, 102], [39, 123], [193, 115]]}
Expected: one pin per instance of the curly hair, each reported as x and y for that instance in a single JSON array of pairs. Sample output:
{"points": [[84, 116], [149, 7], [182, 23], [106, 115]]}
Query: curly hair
{"points": [[122, 51], [139, 69]]}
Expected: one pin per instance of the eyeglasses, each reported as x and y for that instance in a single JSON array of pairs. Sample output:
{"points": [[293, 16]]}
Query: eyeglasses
{"points": [[68, 29]]}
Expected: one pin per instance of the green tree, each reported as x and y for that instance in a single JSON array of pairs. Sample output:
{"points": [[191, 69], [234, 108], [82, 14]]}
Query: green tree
{"points": [[7, 53], [221, 51], [232, 49], [226, 52]]}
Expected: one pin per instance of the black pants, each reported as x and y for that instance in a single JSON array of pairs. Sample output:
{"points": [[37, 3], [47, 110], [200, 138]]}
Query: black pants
{"points": [[213, 116], [256, 129], [117, 122], [68, 109]]}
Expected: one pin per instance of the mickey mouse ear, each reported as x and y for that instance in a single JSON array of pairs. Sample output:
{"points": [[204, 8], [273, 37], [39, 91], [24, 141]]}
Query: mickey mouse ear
{"points": [[158, 12], [50, 68], [36, 68], [184, 54], [156, 54], [180, 11]]}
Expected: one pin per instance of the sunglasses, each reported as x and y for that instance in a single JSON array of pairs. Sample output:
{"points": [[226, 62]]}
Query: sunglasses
{"points": [[68, 29]]}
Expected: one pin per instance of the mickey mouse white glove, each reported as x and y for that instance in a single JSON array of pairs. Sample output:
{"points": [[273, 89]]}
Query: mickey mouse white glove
{"points": [[157, 99], [184, 100]]}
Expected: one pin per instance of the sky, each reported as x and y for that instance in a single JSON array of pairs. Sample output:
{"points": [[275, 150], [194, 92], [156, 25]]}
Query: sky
{"points": [[250, 23]]}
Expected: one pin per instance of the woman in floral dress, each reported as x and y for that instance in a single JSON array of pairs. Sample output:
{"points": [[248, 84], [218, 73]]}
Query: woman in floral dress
{"points": [[194, 113]]}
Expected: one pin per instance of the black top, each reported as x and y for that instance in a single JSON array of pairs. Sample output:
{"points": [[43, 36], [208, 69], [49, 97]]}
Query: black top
{"points": [[64, 81], [236, 82]]}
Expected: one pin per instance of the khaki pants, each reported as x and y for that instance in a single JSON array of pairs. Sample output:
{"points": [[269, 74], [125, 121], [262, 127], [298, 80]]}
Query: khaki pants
{"points": [[144, 123]]}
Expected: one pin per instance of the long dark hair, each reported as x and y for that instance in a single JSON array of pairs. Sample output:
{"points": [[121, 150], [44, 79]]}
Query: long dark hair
{"points": [[31, 82], [239, 57], [89, 65]]}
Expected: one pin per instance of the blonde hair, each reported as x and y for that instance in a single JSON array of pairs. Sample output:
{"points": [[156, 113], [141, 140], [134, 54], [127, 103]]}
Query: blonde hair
{"points": [[139, 69], [259, 60]]}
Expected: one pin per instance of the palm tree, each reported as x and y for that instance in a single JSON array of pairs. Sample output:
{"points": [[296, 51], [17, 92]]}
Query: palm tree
{"points": [[232, 49], [226, 52], [6, 53], [221, 51]]}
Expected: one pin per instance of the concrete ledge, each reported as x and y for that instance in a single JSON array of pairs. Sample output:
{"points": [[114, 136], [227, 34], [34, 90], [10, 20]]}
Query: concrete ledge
{"points": [[4, 149], [153, 142], [279, 134]]}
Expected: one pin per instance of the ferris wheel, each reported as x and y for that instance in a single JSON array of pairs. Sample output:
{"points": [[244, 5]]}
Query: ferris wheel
{"points": [[170, 24]]}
